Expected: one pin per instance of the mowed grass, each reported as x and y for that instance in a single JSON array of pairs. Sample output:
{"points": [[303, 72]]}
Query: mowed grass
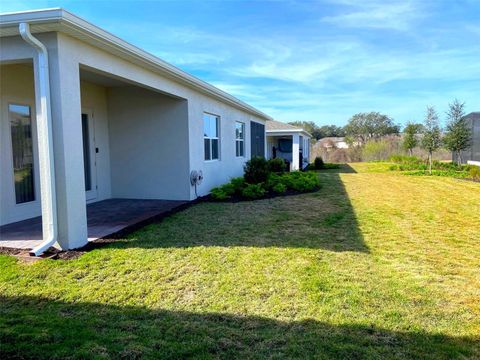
{"points": [[376, 265]]}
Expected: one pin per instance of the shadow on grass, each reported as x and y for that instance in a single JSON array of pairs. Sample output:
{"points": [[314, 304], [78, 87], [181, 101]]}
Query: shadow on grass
{"points": [[37, 328], [324, 219], [343, 169]]}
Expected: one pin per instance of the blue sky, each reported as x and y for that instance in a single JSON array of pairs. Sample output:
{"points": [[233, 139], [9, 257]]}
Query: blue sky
{"points": [[320, 61]]}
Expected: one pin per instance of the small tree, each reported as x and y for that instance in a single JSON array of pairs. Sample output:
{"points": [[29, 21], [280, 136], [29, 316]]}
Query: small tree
{"points": [[410, 140], [458, 136], [431, 140]]}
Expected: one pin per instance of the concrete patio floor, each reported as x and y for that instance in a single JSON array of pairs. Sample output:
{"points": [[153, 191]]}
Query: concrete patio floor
{"points": [[104, 218]]}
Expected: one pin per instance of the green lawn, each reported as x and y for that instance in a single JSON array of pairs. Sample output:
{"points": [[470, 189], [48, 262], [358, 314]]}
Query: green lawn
{"points": [[375, 265]]}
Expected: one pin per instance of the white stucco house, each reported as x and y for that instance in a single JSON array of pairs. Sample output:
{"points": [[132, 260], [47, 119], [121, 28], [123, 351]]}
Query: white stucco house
{"points": [[86, 116], [332, 143], [288, 142]]}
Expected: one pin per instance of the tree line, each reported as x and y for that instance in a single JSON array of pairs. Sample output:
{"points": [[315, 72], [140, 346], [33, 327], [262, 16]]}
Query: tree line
{"points": [[364, 127], [319, 132]]}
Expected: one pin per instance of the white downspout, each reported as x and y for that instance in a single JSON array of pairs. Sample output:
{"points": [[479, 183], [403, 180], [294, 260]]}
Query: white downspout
{"points": [[45, 145]]}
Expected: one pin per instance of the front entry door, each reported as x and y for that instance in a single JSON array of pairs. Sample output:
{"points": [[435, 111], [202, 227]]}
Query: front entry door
{"points": [[89, 157]]}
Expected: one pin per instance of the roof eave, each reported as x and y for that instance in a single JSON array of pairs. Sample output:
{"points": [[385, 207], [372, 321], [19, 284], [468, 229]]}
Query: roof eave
{"points": [[58, 15], [287, 131]]}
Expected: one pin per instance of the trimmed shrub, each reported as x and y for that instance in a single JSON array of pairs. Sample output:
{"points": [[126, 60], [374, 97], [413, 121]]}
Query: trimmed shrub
{"points": [[238, 184], [273, 179], [277, 183], [277, 165], [301, 181], [318, 163], [279, 188], [223, 192], [253, 191], [218, 194], [256, 170]]}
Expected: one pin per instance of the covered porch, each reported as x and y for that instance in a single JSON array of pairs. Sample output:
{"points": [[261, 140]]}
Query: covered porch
{"points": [[119, 147], [104, 218], [293, 148]]}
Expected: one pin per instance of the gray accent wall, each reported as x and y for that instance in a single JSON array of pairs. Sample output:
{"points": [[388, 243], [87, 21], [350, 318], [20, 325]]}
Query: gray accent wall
{"points": [[473, 153], [257, 139]]}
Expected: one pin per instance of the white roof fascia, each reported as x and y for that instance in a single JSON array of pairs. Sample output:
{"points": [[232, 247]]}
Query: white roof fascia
{"points": [[287, 132], [58, 16]]}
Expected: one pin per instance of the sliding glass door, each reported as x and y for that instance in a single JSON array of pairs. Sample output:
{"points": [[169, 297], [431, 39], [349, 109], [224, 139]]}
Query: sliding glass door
{"points": [[89, 158], [22, 152]]}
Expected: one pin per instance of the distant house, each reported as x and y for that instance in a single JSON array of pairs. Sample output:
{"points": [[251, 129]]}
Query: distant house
{"points": [[288, 142], [332, 143], [472, 154]]}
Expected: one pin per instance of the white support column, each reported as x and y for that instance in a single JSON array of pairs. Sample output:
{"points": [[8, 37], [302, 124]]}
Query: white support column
{"points": [[295, 152], [68, 149], [307, 142]]}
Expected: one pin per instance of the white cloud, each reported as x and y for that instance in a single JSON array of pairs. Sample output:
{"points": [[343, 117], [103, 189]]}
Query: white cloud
{"points": [[376, 15]]}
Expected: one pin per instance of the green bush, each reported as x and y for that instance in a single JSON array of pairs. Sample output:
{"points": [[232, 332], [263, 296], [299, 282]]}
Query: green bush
{"points": [[279, 188], [256, 170], [224, 192], [318, 163], [301, 181], [253, 191], [404, 159], [412, 163], [449, 166], [445, 173], [474, 172], [219, 194], [238, 184], [277, 183], [273, 180], [277, 165]]}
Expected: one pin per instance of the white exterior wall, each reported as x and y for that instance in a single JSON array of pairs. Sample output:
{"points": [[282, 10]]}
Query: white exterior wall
{"points": [[16, 86], [148, 145], [216, 172], [67, 54], [306, 149], [94, 102]]}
